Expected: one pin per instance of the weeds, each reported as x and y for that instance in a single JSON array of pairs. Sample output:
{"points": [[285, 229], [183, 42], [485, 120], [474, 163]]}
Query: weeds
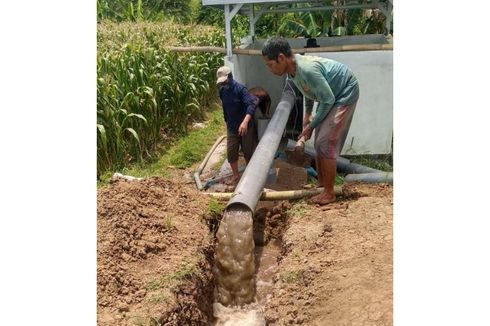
{"points": [[160, 298], [168, 222], [184, 271], [215, 207], [297, 209], [290, 277], [379, 162]]}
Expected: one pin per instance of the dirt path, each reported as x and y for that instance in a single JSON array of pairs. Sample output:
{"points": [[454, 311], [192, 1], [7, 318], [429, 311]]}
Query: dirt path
{"points": [[155, 253]]}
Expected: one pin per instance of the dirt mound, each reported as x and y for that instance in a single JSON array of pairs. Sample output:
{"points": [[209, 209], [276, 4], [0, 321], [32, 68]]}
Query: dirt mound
{"points": [[149, 236], [337, 266]]}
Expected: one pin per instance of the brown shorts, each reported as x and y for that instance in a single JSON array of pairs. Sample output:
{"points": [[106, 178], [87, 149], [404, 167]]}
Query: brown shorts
{"points": [[331, 133], [247, 143]]}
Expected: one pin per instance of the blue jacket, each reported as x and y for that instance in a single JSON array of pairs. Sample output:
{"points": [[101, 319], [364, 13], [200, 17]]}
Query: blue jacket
{"points": [[237, 103]]}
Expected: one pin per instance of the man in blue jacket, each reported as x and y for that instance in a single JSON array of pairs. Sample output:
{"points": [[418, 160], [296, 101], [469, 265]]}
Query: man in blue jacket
{"points": [[335, 88], [238, 111]]}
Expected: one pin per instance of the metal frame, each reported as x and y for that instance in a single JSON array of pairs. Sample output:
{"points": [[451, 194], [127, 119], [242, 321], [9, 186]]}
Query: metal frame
{"points": [[247, 7]]}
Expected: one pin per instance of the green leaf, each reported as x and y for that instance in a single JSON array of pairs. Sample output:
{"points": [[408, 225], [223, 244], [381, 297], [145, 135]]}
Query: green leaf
{"points": [[103, 136], [139, 116], [134, 133]]}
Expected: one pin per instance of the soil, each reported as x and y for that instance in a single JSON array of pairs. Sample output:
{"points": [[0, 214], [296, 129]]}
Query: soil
{"points": [[153, 254], [155, 250], [337, 268]]}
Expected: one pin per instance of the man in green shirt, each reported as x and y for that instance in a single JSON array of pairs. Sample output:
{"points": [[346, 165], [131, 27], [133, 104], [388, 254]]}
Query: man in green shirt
{"points": [[335, 88]]}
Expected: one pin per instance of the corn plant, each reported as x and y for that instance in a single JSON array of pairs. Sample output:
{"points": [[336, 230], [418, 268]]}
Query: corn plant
{"points": [[144, 91]]}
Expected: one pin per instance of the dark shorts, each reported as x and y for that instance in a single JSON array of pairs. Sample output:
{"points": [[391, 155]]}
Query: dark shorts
{"points": [[247, 143]]}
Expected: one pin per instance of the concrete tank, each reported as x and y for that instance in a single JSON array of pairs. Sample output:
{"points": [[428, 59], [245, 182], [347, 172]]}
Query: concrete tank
{"points": [[371, 130]]}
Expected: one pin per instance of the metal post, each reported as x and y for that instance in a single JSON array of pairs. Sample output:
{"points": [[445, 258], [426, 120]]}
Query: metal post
{"points": [[251, 21], [262, 10], [229, 49], [388, 18]]}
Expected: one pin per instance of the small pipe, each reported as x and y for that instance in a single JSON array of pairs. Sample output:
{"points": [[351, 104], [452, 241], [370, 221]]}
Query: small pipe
{"points": [[355, 168], [216, 180], [197, 174], [277, 195], [383, 177], [343, 164]]}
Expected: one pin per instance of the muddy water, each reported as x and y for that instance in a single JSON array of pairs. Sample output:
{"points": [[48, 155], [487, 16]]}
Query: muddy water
{"points": [[266, 268], [264, 265], [234, 268]]}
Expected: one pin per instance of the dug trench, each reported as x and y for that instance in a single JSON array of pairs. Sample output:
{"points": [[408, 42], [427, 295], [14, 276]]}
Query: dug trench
{"points": [[155, 254], [316, 265]]}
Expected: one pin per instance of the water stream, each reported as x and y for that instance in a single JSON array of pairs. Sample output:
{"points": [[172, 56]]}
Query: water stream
{"points": [[234, 264], [243, 272]]}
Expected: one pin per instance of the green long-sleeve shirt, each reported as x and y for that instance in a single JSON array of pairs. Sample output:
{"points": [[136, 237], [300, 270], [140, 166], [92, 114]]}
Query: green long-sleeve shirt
{"points": [[326, 81]]}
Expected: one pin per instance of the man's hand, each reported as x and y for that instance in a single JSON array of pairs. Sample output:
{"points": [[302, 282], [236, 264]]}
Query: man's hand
{"points": [[306, 133], [242, 130]]}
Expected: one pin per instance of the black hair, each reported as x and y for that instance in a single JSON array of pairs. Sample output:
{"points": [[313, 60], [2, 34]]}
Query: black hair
{"points": [[264, 99], [274, 46]]}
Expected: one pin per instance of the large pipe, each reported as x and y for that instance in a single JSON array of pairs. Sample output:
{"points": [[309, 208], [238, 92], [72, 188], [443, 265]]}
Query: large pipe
{"points": [[251, 185], [383, 177]]}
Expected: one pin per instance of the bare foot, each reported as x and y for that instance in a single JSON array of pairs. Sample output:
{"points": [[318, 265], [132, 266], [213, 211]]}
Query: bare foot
{"points": [[322, 199]]}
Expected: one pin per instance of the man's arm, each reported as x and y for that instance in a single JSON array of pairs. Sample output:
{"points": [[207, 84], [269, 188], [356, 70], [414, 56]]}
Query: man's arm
{"points": [[248, 101], [308, 110], [324, 96], [221, 99]]}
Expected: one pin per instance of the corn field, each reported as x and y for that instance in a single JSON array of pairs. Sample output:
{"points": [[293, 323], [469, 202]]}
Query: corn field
{"points": [[145, 92]]}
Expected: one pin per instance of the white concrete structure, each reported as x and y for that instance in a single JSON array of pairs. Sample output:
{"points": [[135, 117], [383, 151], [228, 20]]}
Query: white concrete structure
{"points": [[371, 130]]}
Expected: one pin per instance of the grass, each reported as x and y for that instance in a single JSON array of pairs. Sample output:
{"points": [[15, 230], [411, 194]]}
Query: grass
{"points": [[146, 321], [193, 148], [180, 153], [297, 209], [184, 271], [159, 298], [379, 162], [168, 222], [215, 207], [290, 277], [339, 180]]}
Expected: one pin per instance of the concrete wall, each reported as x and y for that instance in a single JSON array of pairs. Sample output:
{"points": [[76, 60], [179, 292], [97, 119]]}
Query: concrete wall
{"points": [[372, 125]]}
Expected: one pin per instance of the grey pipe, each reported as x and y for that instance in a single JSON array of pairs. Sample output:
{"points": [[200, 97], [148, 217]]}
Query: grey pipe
{"points": [[251, 185], [343, 164], [201, 167], [355, 168], [383, 177]]}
